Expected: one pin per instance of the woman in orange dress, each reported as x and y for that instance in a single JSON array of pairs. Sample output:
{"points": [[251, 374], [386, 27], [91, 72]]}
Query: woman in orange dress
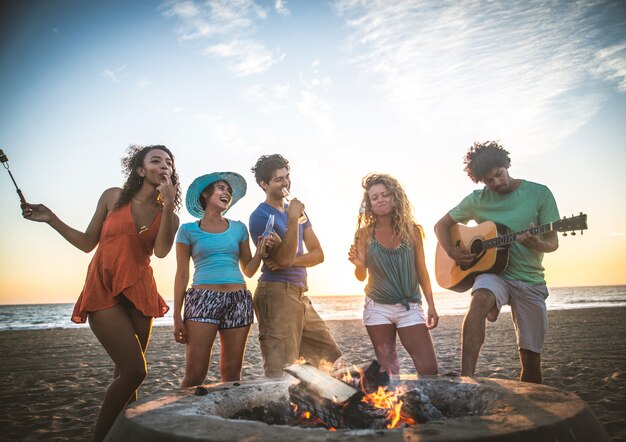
{"points": [[120, 297]]}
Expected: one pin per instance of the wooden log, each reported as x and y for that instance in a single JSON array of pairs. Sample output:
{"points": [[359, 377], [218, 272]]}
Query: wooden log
{"points": [[368, 376], [324, 386], [327, 411], [338, 415], [331, 400]]}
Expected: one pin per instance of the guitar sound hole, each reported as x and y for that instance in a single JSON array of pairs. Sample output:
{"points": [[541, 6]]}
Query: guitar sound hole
{"points": [[476, 247]]}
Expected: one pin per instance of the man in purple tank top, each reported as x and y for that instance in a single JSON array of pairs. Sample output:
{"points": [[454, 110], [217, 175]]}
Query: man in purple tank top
{"points": [[289, 326]]}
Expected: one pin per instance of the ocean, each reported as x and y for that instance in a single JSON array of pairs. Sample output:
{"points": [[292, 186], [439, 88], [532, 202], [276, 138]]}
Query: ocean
{"points": [[43, 316]]}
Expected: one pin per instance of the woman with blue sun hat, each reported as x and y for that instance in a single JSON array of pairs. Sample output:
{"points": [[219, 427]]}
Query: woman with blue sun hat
{"points": [[218, 300]]}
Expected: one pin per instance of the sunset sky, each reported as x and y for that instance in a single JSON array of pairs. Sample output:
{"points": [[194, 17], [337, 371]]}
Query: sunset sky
{"points": [[341, 88]]}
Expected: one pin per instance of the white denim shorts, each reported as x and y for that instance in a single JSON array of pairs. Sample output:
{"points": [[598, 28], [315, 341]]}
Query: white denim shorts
{"points": [[375, 313], [528, 307]]}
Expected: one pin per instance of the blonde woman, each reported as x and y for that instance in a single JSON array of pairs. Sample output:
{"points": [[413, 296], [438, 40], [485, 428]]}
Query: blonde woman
{"points": [[389, 249]]}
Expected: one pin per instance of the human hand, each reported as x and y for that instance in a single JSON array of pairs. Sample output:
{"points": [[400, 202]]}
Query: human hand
{"points": [[180, 331], [462, 257], [37, 212], [354, 257], [529, 240], [295, 209], [276, 240], [262, 245], [167, 190], [271, 264], [433, 318]]}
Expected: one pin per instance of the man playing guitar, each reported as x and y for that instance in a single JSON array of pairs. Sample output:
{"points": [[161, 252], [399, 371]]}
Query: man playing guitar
{"points": [[518, 205]]}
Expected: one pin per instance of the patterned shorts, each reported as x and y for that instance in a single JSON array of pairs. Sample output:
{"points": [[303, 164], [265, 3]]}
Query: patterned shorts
{"points": [[225, 309]]}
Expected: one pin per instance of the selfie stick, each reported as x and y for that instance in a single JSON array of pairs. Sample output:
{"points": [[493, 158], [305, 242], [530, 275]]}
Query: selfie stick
{"points": [[5, 162]]}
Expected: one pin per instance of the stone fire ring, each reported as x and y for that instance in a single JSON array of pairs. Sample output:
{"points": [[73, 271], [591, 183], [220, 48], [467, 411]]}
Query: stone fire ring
{"points": [[477, 409]]}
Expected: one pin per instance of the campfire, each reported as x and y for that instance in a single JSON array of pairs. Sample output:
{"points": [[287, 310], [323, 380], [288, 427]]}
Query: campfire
{"points": [[445, 409], [358, 398]]}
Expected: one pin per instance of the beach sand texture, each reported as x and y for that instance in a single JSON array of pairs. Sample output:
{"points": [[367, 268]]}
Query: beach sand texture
{"points": [[52, 381]]}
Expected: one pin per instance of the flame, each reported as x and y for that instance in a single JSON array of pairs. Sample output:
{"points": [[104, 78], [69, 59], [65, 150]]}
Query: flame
{"points": [[347, 377], [388, 400], [382, 398]]}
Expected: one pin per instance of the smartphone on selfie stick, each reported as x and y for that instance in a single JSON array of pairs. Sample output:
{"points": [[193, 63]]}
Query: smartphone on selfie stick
{"points": [[5, 162]]}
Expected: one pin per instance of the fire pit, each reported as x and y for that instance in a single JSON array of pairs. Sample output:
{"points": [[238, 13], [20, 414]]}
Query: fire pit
{"points": [[472, 410]]}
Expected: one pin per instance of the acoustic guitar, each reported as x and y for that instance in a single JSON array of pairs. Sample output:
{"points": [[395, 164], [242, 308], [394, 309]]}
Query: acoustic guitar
{"points": [[490, 243]]}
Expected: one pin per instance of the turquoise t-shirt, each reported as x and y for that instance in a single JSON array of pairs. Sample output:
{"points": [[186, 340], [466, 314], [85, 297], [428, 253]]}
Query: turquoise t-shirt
{"points": [[215, 255], [529, 203]]}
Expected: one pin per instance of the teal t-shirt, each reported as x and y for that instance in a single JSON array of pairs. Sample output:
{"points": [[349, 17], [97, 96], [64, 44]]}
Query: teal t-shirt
{"points": [[215, 255], [392, 275], [529, 203]]}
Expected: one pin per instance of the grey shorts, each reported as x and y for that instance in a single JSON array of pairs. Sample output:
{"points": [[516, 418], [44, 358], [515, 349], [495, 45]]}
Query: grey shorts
{"points": [[528, 307], [225, 309]]}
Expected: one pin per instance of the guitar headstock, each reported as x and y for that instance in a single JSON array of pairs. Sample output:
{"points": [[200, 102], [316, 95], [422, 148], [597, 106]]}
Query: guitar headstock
{"points": [[573, 223]]}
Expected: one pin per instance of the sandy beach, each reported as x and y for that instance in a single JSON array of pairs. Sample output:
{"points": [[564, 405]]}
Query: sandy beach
{"points": [[52, 381]]}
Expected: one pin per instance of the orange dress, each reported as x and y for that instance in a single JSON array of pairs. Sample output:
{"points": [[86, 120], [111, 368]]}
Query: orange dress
{"points": [[121, 265]]}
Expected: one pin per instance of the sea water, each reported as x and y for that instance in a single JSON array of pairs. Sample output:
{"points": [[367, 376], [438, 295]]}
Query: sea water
{"points": [[41, 316]]}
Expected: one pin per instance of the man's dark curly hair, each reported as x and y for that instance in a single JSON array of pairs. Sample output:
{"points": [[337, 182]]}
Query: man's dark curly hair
{"points": [[482, 157], [266, 165]]}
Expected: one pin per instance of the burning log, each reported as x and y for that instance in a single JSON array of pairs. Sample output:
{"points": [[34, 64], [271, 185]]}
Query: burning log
{"points": [[417, 406], [336, 403], [322, 385], [368, 374]]}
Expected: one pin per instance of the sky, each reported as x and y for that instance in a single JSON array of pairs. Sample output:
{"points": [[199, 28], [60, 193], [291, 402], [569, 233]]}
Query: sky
{"points": [[340, 88]]}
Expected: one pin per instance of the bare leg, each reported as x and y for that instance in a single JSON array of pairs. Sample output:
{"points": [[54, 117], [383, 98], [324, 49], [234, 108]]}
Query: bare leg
{"points": [[418, 343], [200, 338], [383, 338], [473, 337], [531, 366], [492, 315], [115, 331], [233, 347], [143, 327]]}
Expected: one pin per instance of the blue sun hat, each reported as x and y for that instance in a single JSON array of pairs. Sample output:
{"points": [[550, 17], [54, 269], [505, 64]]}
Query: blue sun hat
{"points": [[192, 200]]}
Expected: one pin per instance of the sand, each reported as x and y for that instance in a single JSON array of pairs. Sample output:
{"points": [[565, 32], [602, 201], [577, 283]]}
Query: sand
{"points": [[53, 381]]}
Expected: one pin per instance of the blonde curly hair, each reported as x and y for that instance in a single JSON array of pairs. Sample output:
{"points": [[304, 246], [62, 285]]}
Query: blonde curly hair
{"points": [[401, 216]]}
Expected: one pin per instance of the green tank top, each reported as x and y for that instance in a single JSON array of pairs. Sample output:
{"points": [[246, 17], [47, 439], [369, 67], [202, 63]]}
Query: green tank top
{"points": [[392, 275]]}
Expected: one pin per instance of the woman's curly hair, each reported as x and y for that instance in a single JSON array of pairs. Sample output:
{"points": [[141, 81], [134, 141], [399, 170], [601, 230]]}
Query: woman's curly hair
{"points": [[481, 158], [402, 213], [134, 158]]}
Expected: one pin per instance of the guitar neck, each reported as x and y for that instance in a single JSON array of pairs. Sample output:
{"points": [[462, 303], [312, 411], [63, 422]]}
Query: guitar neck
{"points": [[509, 238]]}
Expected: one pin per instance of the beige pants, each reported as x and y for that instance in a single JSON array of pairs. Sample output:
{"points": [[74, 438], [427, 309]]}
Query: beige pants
{"points": [[290, 328]]}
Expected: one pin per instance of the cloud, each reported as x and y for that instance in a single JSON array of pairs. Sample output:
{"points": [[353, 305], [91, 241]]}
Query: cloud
{"points": [[143, 83], [622, 233], [307, 98], [281, 8], [269, 99], [516, 73], [611, 65], [114, 75], [222, 133], [245, 57], [212, 18], [228, 26], [318, 110]]}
